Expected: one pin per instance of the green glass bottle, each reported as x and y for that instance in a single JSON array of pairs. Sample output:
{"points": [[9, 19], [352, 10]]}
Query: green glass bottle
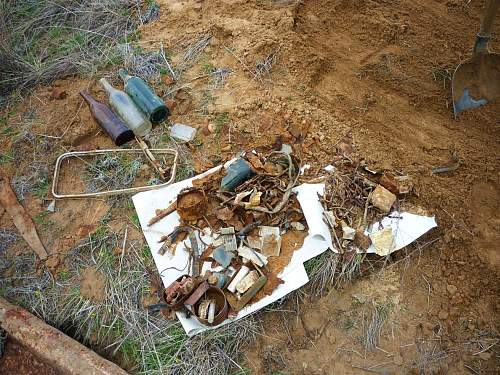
{"points": [[144, 97], [125, 107]]}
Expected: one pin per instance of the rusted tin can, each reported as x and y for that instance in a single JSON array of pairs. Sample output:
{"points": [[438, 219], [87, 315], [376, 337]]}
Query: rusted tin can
{"points": [[221, 306]]}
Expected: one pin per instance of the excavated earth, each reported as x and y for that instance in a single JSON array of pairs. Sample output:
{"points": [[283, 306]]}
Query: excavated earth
{"points": [[374, 74]]}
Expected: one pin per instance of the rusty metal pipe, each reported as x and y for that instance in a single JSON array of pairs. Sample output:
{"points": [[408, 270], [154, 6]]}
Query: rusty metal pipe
{"points": [[54, 347]]}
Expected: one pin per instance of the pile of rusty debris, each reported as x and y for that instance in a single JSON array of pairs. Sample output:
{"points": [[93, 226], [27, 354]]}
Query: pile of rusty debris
{"points": [[356, 197], [249, 209]]}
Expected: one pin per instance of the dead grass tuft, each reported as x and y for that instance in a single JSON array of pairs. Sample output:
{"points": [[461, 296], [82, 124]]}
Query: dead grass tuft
{"points": [[373, 326], [45, 40], [147, 342]]}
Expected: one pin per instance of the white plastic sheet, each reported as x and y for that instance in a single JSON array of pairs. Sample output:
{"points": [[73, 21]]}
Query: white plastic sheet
{"points": [[406, 228], [170, 267]]}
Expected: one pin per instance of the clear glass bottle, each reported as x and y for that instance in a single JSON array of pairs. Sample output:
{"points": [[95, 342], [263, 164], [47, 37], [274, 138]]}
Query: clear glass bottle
{"points": [[145, 98], [128, 111]]}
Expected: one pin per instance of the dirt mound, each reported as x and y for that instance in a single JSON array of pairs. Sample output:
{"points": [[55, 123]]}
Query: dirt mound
{"points": [[378, 75]]}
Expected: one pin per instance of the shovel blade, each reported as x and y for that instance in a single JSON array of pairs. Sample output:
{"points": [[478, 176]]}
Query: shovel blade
{"points": [[476, 82]]}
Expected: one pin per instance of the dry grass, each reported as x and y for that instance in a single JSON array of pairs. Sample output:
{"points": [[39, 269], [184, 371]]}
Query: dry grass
{"points": [[7, 238], [120, 323], [108, 172], [149, 65], [46, 40], [373, 326]]}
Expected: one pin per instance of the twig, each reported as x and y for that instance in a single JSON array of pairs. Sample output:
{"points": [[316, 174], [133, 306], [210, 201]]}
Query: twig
{"points": [[429, 291], [160, 214], [162, 52], [457, 222], [123, 250], [488, 347], [471, 369], [366, 208], [243, 64]]}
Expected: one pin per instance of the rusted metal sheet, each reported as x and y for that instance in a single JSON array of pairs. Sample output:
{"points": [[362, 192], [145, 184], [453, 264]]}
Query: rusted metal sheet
{"points": [[220, 311], [245, 298], [61, 351], [22, 220], [196, 295]]}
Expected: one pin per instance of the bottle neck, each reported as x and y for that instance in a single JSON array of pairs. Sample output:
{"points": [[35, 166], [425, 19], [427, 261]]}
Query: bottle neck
{"points": [[88, 98], [124, 75], [107, 86]]}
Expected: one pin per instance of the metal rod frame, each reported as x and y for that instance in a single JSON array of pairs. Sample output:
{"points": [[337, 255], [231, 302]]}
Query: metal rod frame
{"points": [[105, 193]]}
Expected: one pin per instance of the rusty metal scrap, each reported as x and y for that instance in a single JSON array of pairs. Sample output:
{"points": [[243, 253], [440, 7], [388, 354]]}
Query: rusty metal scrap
{"points": [[264, 200], [179, 290], [191, 204], [161, 213], [22, 220], [213, 307]]}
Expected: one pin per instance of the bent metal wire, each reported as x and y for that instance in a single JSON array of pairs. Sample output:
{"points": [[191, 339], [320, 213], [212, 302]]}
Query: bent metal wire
{"points": [[80, 154]]}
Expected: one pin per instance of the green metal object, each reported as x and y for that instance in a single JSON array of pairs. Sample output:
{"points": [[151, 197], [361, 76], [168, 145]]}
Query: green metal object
{"points": [[237, 173], [144, 97]]}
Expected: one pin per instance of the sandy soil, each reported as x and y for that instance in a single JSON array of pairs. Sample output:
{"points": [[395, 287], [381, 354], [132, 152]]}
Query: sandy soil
{"points": [[361, 72]]}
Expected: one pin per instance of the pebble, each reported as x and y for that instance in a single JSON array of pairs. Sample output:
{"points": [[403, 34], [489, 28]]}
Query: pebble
{"points": [[390, 183], [52, 206], [205, 130], [167, 80], [443, 315], [171, 104], [58, 93], [452, 289]]}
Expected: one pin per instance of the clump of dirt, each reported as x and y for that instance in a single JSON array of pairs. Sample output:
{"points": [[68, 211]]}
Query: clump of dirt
{"points": [[93, 285], [290, 241]]}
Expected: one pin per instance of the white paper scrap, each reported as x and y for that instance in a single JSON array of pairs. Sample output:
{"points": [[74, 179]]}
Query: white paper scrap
{"points": [[307, 195], [406, 228]]}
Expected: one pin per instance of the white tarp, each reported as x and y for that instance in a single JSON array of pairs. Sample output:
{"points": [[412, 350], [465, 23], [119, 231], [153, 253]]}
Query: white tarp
{"points": [[294, 275]]}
